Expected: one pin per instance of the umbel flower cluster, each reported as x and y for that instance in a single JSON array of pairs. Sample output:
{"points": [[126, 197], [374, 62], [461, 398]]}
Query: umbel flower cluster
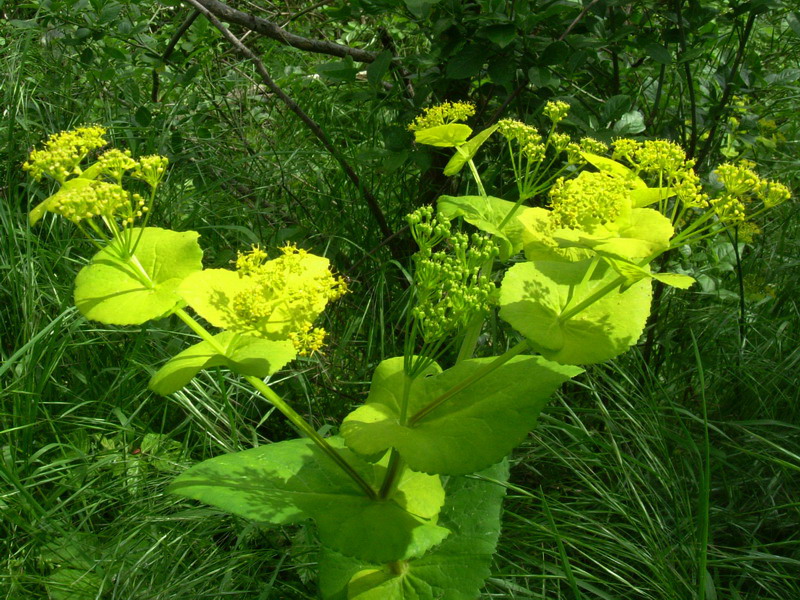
{"points": [[96, 191], [276, 300], [284, 296], [451, 288]]}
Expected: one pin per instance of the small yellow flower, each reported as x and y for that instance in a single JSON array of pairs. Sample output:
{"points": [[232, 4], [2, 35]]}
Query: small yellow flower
{"points": [[63, 152], [442, 114]]}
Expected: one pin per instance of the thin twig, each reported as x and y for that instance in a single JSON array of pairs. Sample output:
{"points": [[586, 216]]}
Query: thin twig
{"points": [[369, 198], [170, 49]]}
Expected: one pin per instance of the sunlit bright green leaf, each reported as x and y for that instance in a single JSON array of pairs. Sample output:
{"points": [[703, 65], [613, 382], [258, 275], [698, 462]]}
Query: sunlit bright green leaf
{"points": [[124, 292], [487, 213], [294, 480], [471, 430], [445, 136], [467, 151], [239, 353], [534, 296]]}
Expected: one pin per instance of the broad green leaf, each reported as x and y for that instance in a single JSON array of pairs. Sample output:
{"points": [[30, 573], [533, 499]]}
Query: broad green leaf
{"points": [[116, 292], [210, 293], [294, 480], [444, 136], [607, 165], [641, 197], [538, 242], [487, 213], [241, 354], [646, 233], [535, 295], [474, 428], [455, 570], [633, 273], [467, 151]]}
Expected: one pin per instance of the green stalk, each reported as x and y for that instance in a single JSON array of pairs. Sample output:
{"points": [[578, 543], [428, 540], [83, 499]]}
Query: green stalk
{"points": [[308, 430], [465, 383], [567, 315], [476, 177]]}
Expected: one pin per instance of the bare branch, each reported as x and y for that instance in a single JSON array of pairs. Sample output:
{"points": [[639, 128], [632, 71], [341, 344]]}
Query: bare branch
{"points": [[369, 198], [275, 32], [184, 27]]}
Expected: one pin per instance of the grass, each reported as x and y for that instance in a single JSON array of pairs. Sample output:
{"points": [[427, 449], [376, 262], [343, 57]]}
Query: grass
{"points": [[676, 479]]}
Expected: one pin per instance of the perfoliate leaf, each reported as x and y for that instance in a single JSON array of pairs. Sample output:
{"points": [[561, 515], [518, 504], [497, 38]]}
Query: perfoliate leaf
{"points": [[633, 273], [294, 480], [210, 293], [641, 197], [473, 429], [114, 291], [535, 295], [487, 213], [607, 165], [467, 151], [455, 570], [241, 354], [646, 233], [444, 136]]}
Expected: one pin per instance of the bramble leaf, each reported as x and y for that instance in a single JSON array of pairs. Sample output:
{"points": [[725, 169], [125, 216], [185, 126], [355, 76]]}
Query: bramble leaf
{"points": [[241, 354], [473, 429], [534, 295], [111, 290], [455, 570], [294, 480]]}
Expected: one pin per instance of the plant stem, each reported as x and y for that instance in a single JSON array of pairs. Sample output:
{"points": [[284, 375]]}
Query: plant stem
{"points": [[392, 477], [465, 383], [308, 430], [476, 177]]}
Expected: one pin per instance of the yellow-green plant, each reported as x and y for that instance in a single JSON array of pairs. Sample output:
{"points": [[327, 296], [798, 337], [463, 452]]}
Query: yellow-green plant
{"points": [[399, 512]]}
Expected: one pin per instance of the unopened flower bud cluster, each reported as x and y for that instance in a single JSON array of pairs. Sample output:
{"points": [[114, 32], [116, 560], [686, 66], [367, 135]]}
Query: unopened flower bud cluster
{"points": [[63, 152], [450, 286]]}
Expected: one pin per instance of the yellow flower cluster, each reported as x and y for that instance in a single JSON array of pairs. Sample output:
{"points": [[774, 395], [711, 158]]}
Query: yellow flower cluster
{"points": [[589, 199], [285, 296], [556, 111], [151, 169], [442, 114], [63, 152], [96, 198], [743, 186], [526, 136], [661, 157], [115, 163]]}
